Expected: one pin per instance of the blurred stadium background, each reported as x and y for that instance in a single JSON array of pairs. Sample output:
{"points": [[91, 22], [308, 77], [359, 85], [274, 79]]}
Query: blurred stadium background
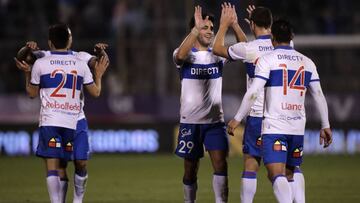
{"points": [[138, 111]]}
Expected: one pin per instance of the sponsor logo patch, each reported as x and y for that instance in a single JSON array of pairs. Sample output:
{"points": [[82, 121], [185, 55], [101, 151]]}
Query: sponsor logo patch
{"points": [[279, 146], [54, 143], [297, 153], [69, 147], [258, 141], [185, 132]]}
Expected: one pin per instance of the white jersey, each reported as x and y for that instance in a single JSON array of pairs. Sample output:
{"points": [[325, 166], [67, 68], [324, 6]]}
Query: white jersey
{"points": [[81, 55], [284, 111], [60, 76], [201, 86], [249, 52]]}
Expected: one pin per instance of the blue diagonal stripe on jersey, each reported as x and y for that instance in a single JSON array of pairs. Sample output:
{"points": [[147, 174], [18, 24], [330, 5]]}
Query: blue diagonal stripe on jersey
{"points": [[250, 69], [276, 78], [47, 82], [201, 71]]}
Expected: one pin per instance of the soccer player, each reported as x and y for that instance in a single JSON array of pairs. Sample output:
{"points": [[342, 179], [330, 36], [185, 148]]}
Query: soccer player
{"points": [[259, 20], [201, 114], [59, 77], [81, 149], [286, 75]]}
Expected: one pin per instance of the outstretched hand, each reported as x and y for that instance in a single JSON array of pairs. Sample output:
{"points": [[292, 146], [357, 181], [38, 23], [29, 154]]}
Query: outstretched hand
{"points": [[249, 9], [101, 66], [22, 65], [231, 126], [100, 47], [325, 137], [199, 21], [32, 45], [228, 15]]}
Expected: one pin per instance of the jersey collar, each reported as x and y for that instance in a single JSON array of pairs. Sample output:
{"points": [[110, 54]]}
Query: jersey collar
{"points": [[264, 37], [196, 50], [283, 47], [69, 52]]}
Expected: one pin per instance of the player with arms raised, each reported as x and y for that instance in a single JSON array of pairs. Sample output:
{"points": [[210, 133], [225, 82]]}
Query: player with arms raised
{"points": [[201, 114], [59, 77], [81, 148], [286, 75]]}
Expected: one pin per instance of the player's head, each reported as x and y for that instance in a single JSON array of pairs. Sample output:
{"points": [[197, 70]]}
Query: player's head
{"points": [[282, 32], [206, 33], [60, 36], [261, 17]]}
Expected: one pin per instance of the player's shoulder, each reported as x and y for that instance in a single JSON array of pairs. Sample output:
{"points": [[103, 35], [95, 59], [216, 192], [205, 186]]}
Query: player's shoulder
{"points": [[82, 55]]}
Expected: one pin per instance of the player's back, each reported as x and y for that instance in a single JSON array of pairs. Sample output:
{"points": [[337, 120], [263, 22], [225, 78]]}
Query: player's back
{"points": [[201, 85], [60, 76], [289, 74], [249, 53]]}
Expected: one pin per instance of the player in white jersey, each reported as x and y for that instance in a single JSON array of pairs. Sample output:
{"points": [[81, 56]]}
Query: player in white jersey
{"points": [[59, 77], [286, 75], [201, 114], [260, 20], [81, 149]]}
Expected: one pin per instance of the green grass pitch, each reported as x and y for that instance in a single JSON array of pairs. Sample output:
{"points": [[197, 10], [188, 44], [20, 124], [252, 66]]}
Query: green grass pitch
{"points": [[157, 179]]}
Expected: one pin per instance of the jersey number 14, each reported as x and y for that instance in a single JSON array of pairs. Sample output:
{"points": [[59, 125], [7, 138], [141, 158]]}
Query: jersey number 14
{"points": [[300, 73]]}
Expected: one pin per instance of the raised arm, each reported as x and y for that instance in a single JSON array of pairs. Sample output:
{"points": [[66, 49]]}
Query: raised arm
{"points": [[100, 67], [190, 39], [228, 18], [239, 33], [99, 50], [248, 100], [31, 89], [25, 53], [321, 104]]}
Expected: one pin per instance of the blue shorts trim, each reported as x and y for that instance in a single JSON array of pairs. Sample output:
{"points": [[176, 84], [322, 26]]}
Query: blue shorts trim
{"points": [[193, 137], [252, 136], [55, 142], [277, 148], [81, 141]]}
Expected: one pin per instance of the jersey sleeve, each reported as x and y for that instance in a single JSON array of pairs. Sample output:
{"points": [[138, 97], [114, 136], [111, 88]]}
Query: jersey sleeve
{"points": [[174, 59], [88, 77], [262, 69], [84, 56], [238, 51], [35, 74], [314, 73], [40, 53]]}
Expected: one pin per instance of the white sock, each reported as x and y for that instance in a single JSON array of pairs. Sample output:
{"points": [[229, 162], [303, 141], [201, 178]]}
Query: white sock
{"points": [[53, 186], [282, 189], [79, 188], [220, 187], [293, 189], [63, 189], [248, 187], [190, 192], [299, 182]]}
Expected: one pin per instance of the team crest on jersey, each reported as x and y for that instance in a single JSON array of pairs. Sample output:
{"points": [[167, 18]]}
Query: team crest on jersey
{"points": [[69, 147], [297, 153], [258, 141], [54, 143], [279, 146], [185, 132]]}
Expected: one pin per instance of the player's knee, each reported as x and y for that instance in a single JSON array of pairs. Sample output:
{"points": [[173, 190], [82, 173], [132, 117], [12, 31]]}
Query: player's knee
{"points": [[220, 166], [80, 165]]}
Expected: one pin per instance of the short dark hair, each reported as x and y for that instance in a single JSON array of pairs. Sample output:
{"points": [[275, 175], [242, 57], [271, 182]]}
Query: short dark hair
{"points": [[282, 31], [59, 35], [192, 20], [262, 17]]}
